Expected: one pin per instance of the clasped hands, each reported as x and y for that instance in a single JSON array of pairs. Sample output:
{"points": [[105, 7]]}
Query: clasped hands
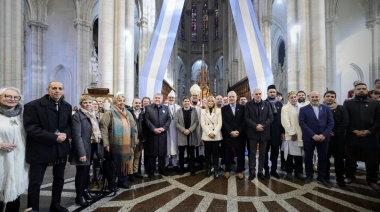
{"points": [[211, 135], [260, 128], [186, 132], [158, 130], [61, 137], [7, 147], [319, 137], [361, 133], [234, 134]]}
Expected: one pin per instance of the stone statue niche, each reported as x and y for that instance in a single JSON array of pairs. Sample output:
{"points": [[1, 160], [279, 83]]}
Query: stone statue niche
{"points": [[94, 69]]}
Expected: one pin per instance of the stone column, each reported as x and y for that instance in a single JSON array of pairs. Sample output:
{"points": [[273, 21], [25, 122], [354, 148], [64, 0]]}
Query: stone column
{"points": [[303, 45], [106, 42], [373, 26], [331, 53], [318, 46], [129, 53], [121, 35], [84, 75], [291, 46], [144, 42]]}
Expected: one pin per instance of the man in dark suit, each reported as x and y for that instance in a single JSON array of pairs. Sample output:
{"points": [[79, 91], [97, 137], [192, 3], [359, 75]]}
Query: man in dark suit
{"points": [[157, 120], [317, 122], [258, 118], [276, 134], [233, 134], [362, 130], [47, 122]]}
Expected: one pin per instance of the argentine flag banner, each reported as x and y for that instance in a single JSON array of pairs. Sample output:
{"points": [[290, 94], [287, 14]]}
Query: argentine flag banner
{"points": [[154, 68], [256, 62]]}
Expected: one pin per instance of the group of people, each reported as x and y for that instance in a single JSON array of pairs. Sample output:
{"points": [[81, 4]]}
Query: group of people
{"points": [[50, 135]]}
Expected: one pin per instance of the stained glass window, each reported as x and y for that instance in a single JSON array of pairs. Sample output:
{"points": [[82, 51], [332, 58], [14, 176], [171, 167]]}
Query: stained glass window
{"points": [[183, 25], [205, 21], [216, 6], [194, 21]]}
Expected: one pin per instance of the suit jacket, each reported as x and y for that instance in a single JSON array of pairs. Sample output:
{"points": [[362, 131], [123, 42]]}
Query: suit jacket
{"points": [[180, 125], [211, 123], [252, 119], [276, 128], [231, 123], [311, 126], [156, 117], [41, 120]]}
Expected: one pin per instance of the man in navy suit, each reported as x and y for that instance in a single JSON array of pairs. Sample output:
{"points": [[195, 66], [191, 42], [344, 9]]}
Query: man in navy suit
{"points": [[317, 122], [233, 134]]}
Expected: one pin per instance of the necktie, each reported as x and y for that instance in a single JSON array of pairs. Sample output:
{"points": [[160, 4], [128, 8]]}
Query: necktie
{"points": [[56, 106]]}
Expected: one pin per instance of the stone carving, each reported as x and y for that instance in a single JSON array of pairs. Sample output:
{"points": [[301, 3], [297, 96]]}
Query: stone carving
{"points": [[94, 70]]}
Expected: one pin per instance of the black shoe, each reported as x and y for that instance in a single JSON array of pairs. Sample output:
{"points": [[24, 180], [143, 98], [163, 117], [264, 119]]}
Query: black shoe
{"points": [[216, 174], [275, 174], [87, 195], [289, 176], [251, 177], [81, 201], [308, 179], [131, 178], [123, 185], [208, 172], [283, 167], [324, 182], [341, 182], [349, 180], [267, 175], [299, 176], [163, 172], [261, 176], [137, 175], [58, 208]]}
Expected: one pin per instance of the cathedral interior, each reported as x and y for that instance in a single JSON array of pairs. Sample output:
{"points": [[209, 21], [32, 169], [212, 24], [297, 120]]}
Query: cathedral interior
{"points": [[311, 45]]}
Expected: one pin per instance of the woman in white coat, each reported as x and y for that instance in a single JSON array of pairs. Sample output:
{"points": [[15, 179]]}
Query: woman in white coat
{"points": [[14, 170], [211, 123]]}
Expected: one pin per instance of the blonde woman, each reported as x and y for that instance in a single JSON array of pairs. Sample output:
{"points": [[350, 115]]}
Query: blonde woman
{"points": [[211, 123]]}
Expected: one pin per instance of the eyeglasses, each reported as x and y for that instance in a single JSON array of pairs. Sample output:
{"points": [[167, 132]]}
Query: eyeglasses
{"points": [[10, 97]]}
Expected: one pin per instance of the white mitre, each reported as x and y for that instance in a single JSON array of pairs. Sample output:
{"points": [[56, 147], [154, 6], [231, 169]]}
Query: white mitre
{"points": [[172, 94], [195, 89]]}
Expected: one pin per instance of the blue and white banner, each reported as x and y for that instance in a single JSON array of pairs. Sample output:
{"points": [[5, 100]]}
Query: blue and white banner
{"points": [[156, 62], [256, 62]]}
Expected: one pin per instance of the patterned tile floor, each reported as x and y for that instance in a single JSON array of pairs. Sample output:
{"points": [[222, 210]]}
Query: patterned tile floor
{"points": [[198, 193]]}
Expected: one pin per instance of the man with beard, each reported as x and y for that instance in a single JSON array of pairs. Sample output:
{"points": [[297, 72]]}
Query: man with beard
{"points": [[157, 121], [219, 101], [276, 132], [172, 132], [363, 126], [243, 100], [301, 98], [337, 142], [317, 122]]}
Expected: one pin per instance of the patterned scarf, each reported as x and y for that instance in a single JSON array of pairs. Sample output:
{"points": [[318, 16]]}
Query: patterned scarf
{"points": [[96, 136], [122, 138], [332, 106], [273, 103], [11, 113]]}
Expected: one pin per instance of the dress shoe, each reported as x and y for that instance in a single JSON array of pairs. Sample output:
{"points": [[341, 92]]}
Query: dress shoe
{"points": [[341, 182], [227, 175], [261, 176], [137, 175], [240, 176], [308, 179], [349, 180], [275, 174], [283, 167], [323, 182], [374, 186], [123, 185], [208, 172], [163, 173], [216, 174], [87, 195], [131, 178], [58, 208], [251, 177], [289, 176], [299, 176], [267, 175], [81, 201]]}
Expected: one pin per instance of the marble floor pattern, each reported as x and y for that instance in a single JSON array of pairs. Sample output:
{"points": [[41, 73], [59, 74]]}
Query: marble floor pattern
{"points": [[199, 193]]}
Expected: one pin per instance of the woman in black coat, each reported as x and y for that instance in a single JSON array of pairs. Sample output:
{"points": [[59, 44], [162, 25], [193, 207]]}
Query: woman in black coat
{"points": [[85, 133]]}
